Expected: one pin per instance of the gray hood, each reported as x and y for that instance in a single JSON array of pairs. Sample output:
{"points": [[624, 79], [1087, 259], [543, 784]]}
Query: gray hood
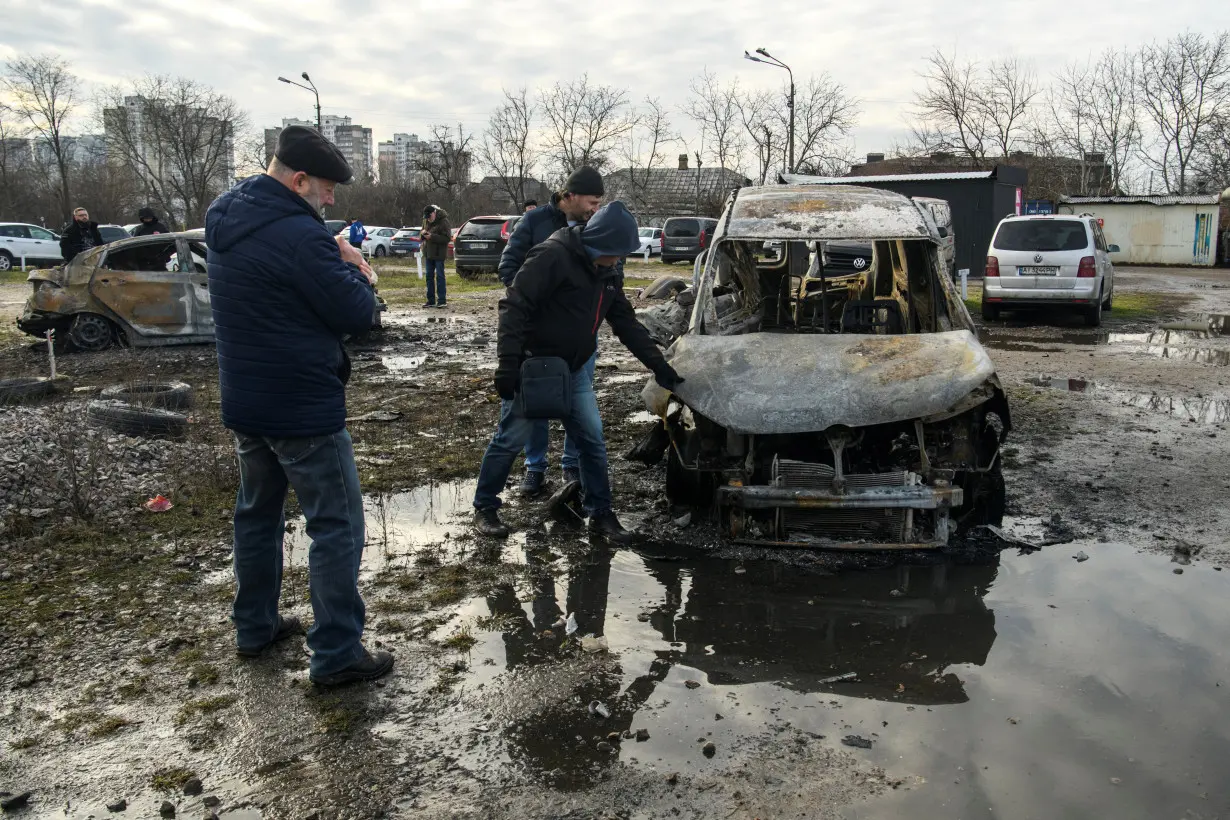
{"points": [[770, 383]]}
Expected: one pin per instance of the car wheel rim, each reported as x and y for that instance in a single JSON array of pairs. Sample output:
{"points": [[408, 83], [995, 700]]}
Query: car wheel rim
{"points": [[5, 262], [91, 332]]}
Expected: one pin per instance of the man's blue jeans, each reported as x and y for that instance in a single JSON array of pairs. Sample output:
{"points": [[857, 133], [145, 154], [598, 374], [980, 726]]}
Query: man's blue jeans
{"points": [[322, 471], [434, 271], [584, 427], [540, 436]]}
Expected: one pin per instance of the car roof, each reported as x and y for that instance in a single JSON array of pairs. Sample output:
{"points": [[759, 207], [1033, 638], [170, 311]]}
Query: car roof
{"points": [[1028, 217], [26, 224], [807, 212], [197, 235]]}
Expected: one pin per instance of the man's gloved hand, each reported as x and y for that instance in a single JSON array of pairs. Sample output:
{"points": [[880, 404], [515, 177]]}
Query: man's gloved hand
{"points": [[508, 376], [667, 378]]}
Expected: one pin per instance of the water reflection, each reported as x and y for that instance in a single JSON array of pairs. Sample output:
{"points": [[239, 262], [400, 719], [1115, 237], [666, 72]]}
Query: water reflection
{"points": [[1189, 408], [899, 630]]}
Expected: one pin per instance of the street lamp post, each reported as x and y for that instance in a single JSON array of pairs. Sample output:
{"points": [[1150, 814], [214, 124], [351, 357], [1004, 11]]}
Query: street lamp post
{"points": [[309, 87], [768, 59]]}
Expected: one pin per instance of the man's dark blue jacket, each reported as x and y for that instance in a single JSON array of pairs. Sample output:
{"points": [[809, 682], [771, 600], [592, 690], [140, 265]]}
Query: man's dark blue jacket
{"points": [[531, 231], [282, 299]]}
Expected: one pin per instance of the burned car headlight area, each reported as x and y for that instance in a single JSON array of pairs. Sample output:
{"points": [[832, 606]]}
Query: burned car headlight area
{"points": [[847, 410]]}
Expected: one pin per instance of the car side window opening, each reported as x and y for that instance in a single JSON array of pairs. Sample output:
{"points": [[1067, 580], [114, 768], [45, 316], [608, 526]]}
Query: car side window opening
{"points": [[13, 231], [41, 233], [153, 257]]}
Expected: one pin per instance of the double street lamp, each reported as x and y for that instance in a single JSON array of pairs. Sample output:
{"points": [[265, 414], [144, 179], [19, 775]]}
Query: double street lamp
{"points": [[309, 87], [768, 59]]}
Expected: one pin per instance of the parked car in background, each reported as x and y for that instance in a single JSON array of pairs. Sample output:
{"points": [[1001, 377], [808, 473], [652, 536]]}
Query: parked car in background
{"points": [[1049, 262], [113, 233], [684, 237], [651, 240], [21, 239], [379, 241], [479, 242], [406, 242], [854, 411], [941, 211], [335, 226], [131, 228]]}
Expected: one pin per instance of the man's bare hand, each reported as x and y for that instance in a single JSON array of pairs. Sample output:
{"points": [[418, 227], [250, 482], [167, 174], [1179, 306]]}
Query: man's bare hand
{"points": [[352, 255], [367, 271]]}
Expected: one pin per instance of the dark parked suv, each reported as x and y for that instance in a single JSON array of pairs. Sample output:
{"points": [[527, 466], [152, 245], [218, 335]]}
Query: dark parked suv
{"points": [[685, 237], [479, 243]]}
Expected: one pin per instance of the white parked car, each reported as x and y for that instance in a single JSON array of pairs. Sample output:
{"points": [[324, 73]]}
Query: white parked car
{"points": [[1049, 261], [651, 240], [35, 243], [379, 242]]}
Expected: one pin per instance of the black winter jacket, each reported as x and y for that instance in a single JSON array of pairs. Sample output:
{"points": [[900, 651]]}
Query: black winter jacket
{"points": [[149, 228], [282, 300], [557, 301], [72, 239], [532, 230]]}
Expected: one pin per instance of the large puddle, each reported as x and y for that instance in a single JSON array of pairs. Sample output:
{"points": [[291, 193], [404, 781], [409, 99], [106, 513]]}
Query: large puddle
{"points": [[1021, 685], [1207, 410]]}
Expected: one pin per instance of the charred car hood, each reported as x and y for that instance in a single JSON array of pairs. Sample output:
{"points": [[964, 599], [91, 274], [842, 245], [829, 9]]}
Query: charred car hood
{"points": [[768, 383]]}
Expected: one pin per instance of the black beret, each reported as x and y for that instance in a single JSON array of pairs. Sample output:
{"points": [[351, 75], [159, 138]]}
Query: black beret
{"points": [[585, 181], [303, 149]]}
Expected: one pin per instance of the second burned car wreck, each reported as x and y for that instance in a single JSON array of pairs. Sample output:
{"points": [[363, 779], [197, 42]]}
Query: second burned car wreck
{"points": [[840, 410]]}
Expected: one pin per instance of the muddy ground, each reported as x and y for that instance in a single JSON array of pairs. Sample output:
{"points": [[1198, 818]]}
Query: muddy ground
{"points": [[1015, 683]]}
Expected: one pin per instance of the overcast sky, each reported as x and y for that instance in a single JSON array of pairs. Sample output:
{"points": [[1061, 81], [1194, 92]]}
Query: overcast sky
{"points": [[398, 66]]}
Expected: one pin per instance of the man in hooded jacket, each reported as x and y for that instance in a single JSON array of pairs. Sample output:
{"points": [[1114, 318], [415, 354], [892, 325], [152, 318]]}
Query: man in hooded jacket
{"points": [[566, 288], [150, 223], [284, 293]]}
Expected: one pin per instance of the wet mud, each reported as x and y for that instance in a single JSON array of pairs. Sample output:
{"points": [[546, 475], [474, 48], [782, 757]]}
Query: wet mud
{"points": [[1074, 668]]}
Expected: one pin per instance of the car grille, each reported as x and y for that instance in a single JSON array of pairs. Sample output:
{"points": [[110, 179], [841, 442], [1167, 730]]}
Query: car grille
{"points": [[847, 260], [884, 525]]}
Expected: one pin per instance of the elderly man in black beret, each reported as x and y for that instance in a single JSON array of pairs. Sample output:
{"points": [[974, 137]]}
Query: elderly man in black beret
{"points": [[284, 293]]}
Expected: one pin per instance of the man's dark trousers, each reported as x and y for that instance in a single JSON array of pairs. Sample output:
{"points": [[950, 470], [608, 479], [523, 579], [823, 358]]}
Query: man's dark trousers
{"points": [[322, 471]]}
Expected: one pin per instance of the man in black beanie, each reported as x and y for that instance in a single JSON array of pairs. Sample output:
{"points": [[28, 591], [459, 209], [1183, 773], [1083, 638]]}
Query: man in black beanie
{"points": [[574, 205]]}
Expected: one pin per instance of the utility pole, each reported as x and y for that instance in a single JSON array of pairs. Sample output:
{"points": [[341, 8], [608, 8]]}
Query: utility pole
{"points": [[768, 59], [698, 183]]}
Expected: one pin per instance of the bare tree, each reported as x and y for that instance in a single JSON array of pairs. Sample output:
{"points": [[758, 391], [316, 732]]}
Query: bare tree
{"points": [[1214, 164], [179, 137], [1070, 128], [585, 123], [1116, 113], [762, 124], [443, 163], [972, 109], [644, 150], [1184, 89], [44, 93], [715, 109], [507, 147], [252, 153], [824, 117], [1004, 96]]}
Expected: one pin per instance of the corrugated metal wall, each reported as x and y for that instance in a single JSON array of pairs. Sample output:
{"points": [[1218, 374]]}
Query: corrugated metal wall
{"points": [[1157, 234]]}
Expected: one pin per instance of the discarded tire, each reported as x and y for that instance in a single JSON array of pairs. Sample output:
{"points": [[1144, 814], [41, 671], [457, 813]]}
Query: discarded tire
{"points": [[137, 421], [25, 388], [664, 287], [167, 395]]}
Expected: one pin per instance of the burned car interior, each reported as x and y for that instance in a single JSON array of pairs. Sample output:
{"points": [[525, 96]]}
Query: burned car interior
{"points": [[831, 409]]}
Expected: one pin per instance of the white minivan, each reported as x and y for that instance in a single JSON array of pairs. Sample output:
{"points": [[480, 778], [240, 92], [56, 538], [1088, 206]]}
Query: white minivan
{"points": [[1044, 261]]}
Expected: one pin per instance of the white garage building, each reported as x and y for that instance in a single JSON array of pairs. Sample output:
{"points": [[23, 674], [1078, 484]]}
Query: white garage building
{"points": [[1155, 230]]}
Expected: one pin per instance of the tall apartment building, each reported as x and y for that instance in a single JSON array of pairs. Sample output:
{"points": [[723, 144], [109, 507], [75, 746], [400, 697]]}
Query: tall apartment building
{"points": [[422, 163], [354, 141], [131, 132]]}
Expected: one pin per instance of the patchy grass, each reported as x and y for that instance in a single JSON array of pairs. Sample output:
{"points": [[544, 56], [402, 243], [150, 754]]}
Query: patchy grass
{"points": [[21, 743], [206, 673], [462, 640], [109, 726], [1129, 306], [171, 780], [13, 277], [138, 687], [334, 716], [190, 656], [203, 706]]}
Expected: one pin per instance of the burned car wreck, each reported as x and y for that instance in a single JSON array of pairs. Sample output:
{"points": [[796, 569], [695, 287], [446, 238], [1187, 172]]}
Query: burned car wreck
{"points": [[149, 290], [830, 409]]}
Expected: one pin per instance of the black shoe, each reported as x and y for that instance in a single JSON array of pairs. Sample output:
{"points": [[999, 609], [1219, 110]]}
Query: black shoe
{"points": [[372, 666], [429, 304], [607, 525], [287, 626], [487, 522], [571, 474], [533, 484], [442, 305]]}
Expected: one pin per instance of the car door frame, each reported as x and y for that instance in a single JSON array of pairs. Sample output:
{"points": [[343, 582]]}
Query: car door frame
{"points": [[202, 316], [1101, 250], [105, 288], [46, 249]]}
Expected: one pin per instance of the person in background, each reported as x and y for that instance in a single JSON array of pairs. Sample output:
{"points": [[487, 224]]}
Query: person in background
{"points": [[574, 205], [150, 223], [79, 235], [434, 242], [284, 293], [530, 204], [357, 233], [566, 287]]}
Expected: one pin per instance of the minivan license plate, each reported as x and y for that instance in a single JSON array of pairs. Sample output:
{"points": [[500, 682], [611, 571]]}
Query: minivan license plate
{"points": [[1037, 271]]}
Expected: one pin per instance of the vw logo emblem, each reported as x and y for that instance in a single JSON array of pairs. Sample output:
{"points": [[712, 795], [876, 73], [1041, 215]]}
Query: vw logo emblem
{"points": [[1037, 257], [859, 263]]}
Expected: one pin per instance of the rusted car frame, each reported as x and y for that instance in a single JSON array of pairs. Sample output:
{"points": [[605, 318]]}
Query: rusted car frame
{"points": [[855, 411], [145, 291]]}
